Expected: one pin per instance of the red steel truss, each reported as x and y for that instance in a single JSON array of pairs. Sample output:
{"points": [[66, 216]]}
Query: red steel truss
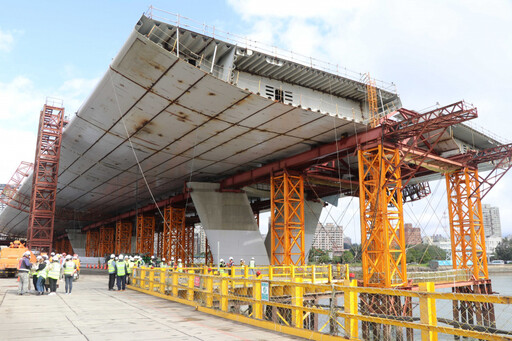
{"points": [[44, 185], [208, 257], [123, 237], [92, 243], [106, 241], [174, 226], [145, 234], [10, 195]]}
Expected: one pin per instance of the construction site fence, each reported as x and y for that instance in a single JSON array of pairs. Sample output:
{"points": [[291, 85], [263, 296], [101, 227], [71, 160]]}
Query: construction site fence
{"points": [[303, 303]]}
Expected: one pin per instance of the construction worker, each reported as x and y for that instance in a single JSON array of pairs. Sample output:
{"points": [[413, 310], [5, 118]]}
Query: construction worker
{"points": [[163, 263], [46, 283], [42, 273], [128, 269], [69, 269], [54, 274], [33, 272], [77, 263], [252, 265], [180, 265], [24, 266], [222, 266], [172, 264], [231, 263], [111, 272], [242, 262], [121, 273]]}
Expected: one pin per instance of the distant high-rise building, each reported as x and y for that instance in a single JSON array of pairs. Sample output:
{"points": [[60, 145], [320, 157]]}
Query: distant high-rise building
{"points": [[412, 235], [199, 239], [492, 223], [329, 238]]}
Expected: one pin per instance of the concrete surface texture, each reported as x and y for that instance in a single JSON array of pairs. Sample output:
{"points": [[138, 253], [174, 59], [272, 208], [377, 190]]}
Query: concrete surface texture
{"points": [[92, 312]]}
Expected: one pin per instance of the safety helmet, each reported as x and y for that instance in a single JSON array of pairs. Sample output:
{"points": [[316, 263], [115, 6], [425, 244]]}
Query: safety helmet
{"points": [[27, 253], [172, 258], [222, 260], [39, 257], [252, 258], [230, 258], [112, 256], [55, 259], [45, 256], [152, 257], [241, 259], [163, 259], [131, 258], [121, 257], [53, 253], [68, 257], [117, 258], [75, 257], [179, 260]]}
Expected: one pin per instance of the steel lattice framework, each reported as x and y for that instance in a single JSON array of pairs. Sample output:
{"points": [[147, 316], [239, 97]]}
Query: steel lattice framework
{"points": [[44, 185], [382, 228], [106, 241], [187, 243], [145, 234], [63, 245], [92, 243], [208, 257], [10, 195], [174, 226], [287, 219], [466, 222], [123, 243]]}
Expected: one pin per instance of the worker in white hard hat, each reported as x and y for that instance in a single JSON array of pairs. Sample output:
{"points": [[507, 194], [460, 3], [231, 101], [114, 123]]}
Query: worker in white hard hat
{"points": [[172, 264], [54, 274], [222, 266], [231, 264], [24, 266], [121, 272], [180, 265], [163, 263], [69, 269], [242, 262], [42, 273], [111, 272], [252, 265], [129, 268]]}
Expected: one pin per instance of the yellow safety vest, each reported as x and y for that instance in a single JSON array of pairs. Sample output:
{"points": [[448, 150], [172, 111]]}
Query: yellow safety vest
{"points": [[121, 268], [54, 270], [70, 267]]}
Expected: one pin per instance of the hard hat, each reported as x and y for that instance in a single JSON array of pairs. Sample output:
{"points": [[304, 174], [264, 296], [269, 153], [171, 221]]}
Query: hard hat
{"points": [[131, 258], [230, 258], [241, 259], [112, 256], [64, 254], [68, 257], [55, 259], [152, 257], [53, 253], [45, 256], [179, 260], [163, 259], [121, 257], [172, 258], [39, 257], [75, 257], [117, 258], [252, 257], [27, 253], [222, 260]]}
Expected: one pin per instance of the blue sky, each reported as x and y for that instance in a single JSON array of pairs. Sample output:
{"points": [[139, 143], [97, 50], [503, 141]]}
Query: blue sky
{"points": [[435, 51]]}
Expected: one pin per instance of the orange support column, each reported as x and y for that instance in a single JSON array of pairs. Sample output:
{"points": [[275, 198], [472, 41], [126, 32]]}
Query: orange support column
{"points": [[287, 219], [123, 237], [381, 209], [106, 244], [145, 234], [466, 223], [92, 243], [173, 228]]}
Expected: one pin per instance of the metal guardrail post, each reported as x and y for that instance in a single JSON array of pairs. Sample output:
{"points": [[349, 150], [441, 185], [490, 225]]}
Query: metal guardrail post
{"points": [[313, 274], [329, 274], [224, 292], [292, 273], [209, 291], [142, 278], [297, 303], [151, 279], [270, 273], [163, 279], [351, 308], [257, 307], [428, 311], [190, 291], [175, 279]]}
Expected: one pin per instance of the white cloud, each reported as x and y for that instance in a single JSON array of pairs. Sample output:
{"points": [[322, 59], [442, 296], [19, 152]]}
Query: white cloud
{"points": [[435, 51], [6, 41]]}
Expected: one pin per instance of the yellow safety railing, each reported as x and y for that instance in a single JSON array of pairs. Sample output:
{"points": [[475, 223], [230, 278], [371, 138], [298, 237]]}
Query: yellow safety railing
{"points": [[299, 306]]}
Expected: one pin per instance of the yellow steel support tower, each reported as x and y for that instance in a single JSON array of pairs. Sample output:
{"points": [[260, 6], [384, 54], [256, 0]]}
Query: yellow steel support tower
{"points": [[466, 222], [287, 219], [382, 228], [371, 97], [145, 234], [123, 237], [173, 227]]}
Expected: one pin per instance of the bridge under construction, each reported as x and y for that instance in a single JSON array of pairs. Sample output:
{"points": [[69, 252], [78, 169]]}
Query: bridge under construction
{"points": [[191, 125]]}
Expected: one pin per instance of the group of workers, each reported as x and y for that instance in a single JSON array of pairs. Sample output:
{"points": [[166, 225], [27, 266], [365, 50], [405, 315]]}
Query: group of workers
{"points": [[46, 272], [231, 263]]}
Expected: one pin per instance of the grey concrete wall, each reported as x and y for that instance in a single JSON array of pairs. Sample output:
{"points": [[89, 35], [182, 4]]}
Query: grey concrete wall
{"points": [[77, 239]]}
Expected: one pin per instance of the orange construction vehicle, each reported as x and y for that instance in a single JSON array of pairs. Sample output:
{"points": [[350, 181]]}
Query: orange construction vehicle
{"points": [[10, 257]]}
